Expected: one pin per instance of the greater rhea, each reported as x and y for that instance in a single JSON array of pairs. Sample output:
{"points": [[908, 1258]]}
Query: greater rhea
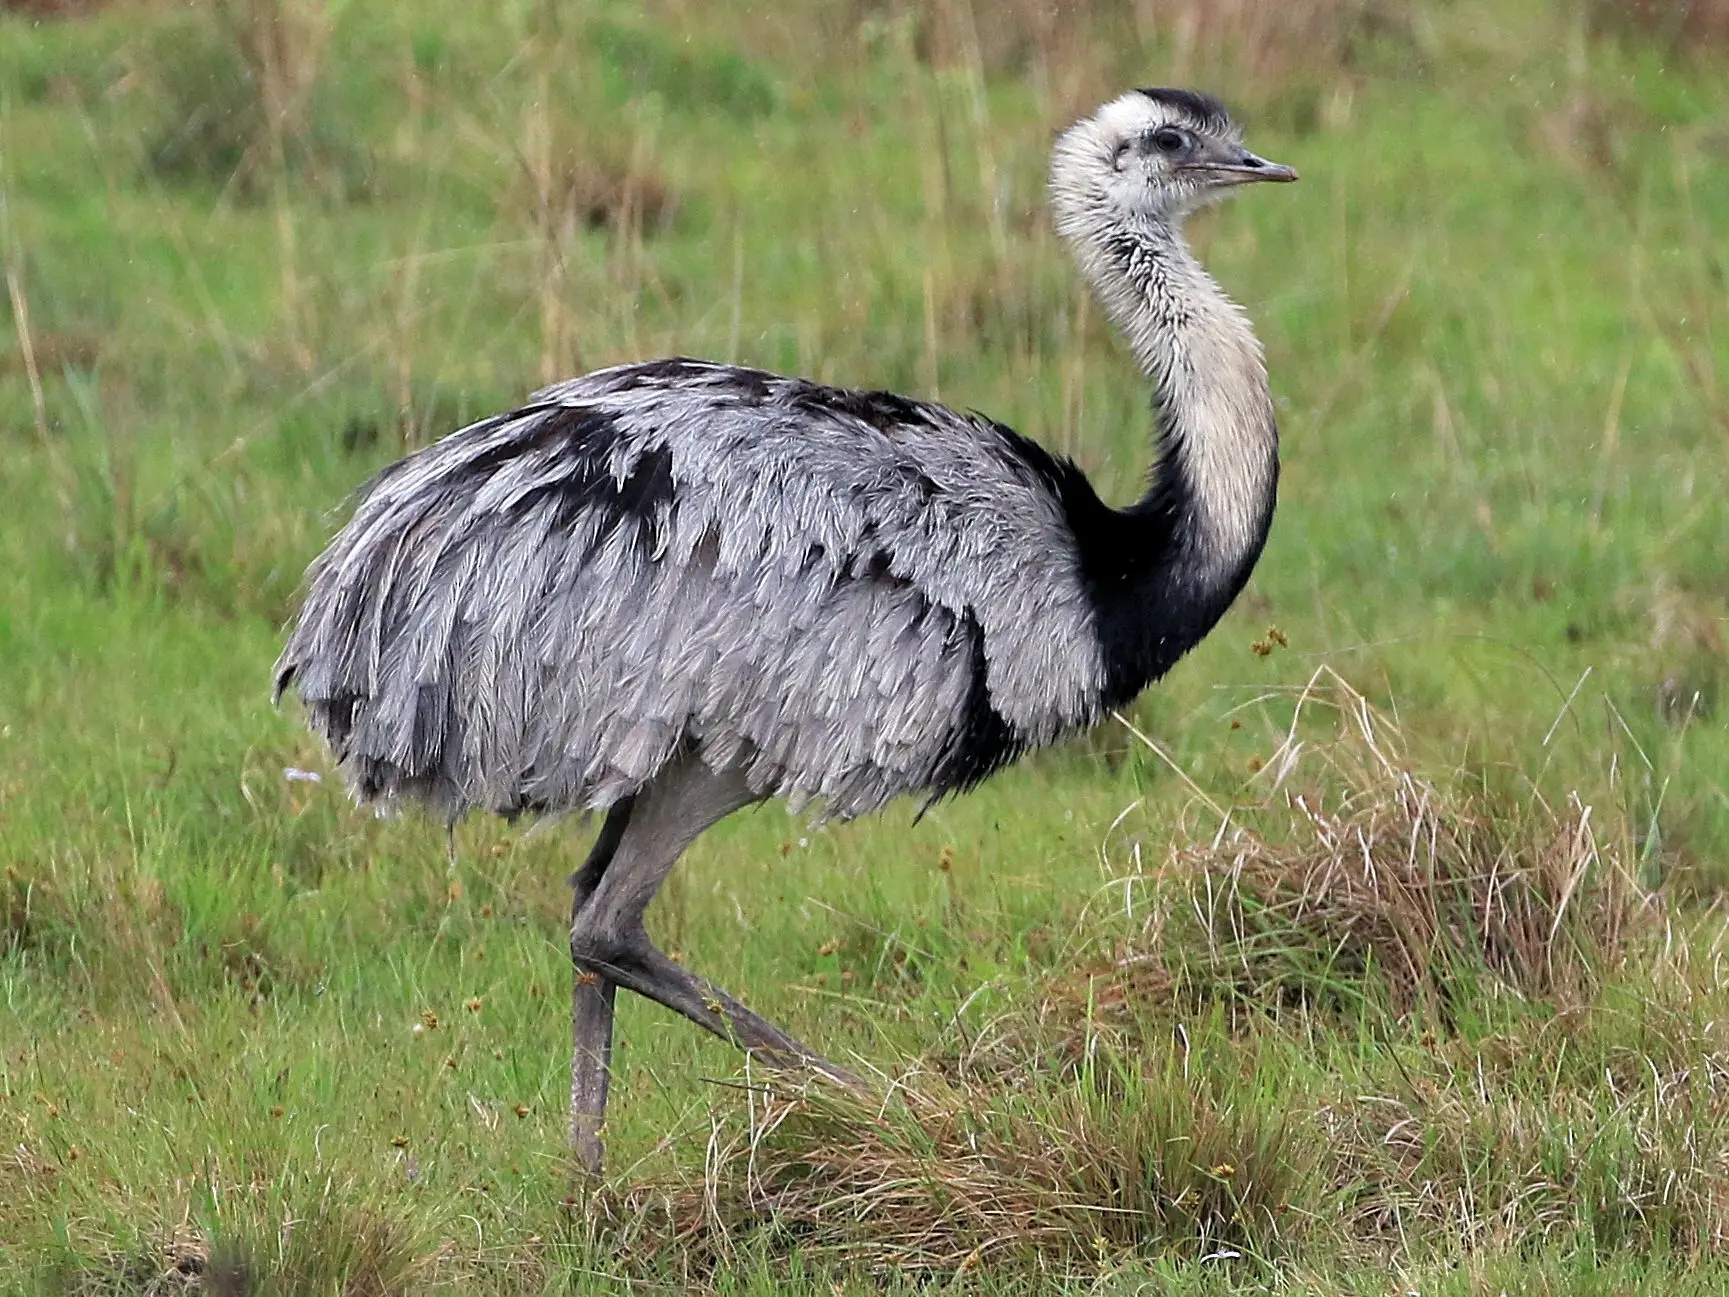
{"points": [[674, 589]]}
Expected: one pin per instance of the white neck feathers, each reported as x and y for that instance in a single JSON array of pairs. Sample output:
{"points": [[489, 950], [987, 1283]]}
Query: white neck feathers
{"points": [[1216, 422]]}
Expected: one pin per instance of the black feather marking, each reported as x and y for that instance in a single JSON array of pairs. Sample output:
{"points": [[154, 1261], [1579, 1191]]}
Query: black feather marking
{"points": [[981, 742], [887, 412], [673, 371], [1202, 110], [869, 564], [584, 440], [564, 430], [750, 386], [681, 373], [644, 495]]}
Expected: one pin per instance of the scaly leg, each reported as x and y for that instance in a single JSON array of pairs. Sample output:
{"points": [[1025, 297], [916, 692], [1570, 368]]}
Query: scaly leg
{"points": [[591, 1003], [635, 963], [607, 936]]}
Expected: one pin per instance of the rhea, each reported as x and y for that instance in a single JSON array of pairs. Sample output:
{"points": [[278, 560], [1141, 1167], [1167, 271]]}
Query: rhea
{"points": [[670, 590]]}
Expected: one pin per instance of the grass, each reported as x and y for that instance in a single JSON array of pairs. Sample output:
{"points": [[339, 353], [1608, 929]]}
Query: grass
{"points": [[1378, 954]]}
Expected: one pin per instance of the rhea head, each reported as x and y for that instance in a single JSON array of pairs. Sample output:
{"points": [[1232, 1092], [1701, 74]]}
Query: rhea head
{"points": [[1151, 156]]}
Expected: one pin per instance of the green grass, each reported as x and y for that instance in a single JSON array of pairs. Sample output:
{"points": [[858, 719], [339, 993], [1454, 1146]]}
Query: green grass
{"points": [[248, 1029]]}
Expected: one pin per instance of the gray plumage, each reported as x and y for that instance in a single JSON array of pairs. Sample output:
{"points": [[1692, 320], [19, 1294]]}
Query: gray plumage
{"points": [[542, 609], [673, 589]]}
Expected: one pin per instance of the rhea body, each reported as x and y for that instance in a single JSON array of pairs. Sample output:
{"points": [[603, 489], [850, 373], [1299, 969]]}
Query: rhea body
{"points": [[671, 590]]}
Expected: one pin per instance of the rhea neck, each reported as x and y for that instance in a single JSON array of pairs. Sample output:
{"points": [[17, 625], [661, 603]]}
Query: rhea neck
{"points": [[1166, 568]]}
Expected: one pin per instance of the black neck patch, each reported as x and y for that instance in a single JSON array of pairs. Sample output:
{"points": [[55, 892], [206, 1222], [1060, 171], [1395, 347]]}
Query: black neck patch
{"points": [[1141, 566]]}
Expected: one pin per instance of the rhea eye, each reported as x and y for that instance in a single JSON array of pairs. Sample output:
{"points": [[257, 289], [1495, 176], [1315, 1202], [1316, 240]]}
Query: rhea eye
{"points": [[1167, 139]]}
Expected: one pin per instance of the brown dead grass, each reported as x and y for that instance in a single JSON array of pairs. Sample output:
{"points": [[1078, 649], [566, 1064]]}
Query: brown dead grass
{"points": [[584, 184], [1682, 25], [51, 9], [266, 1250], [932, 1176], [1262, 47], [1489, 1162], [1359, 879], [240, 84]]}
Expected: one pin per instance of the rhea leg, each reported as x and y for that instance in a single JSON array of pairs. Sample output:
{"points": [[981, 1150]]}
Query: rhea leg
{"points": [[635, 963], [607, 935], [591, 1004]]}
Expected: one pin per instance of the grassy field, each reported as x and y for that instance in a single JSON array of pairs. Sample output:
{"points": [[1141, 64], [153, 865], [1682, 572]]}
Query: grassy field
{"points": [[1380, 954]]}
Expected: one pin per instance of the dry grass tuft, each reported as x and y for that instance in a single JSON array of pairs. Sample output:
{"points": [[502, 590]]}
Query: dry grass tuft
{"points": [[1680, 25], [1589, 132], [1489, 1161], [1264, 42], [1359, 879], [573, 180], [934, 1176], [244, 99], [348, 1250], [1260, 46], [52, 9]]}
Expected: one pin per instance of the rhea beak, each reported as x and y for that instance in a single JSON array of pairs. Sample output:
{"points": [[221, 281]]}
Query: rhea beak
{"points": [[1239, 168]]}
